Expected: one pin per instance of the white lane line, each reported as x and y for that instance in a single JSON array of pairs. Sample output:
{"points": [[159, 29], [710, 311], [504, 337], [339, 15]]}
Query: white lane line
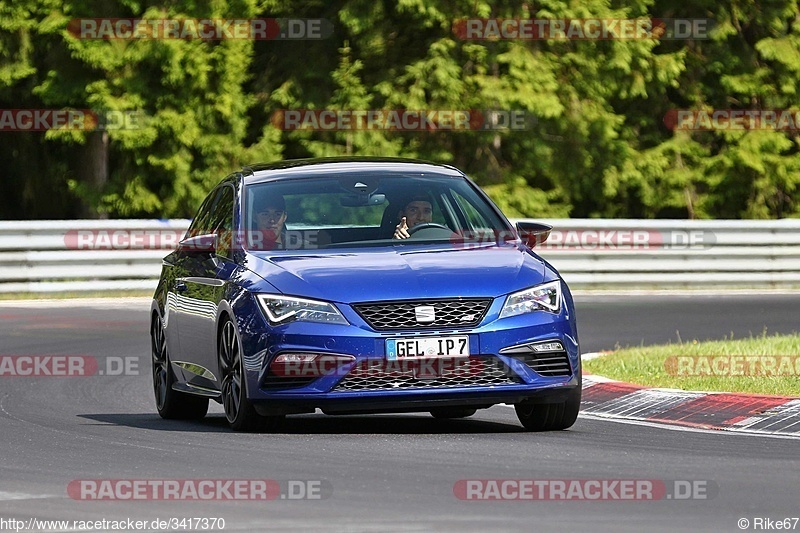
{"points": [[603, 294], [94, 438], [134, 303], [594, 379], [592, 355], [8, 496]]}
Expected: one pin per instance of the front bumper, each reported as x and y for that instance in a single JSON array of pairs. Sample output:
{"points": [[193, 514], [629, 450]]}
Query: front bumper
{"points": [[368, 347], [417, 401]]}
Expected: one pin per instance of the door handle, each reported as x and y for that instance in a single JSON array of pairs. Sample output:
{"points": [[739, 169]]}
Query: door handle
{"points": [[180, 286]]}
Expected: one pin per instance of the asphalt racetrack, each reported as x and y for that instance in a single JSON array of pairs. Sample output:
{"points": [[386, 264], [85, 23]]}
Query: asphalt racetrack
{"points": [[379, 473]]}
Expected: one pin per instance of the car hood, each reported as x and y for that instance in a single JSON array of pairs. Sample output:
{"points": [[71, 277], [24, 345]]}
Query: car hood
{"points": [[400, 272]]}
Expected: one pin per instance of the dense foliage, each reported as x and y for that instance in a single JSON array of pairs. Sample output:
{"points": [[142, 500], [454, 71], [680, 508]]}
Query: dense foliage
{"points": [[598, 147]]}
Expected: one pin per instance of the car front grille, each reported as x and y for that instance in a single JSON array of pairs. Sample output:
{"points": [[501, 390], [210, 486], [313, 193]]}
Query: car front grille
{"points": [[373, 375], [452, 313]]}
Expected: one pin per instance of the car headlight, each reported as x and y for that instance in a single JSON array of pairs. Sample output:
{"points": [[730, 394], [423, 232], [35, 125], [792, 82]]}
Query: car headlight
{"points": [[284, 309], [545, 297]]}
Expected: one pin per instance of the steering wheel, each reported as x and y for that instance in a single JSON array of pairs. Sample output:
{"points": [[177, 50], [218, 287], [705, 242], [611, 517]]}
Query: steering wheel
{"points": [[426, 225]]}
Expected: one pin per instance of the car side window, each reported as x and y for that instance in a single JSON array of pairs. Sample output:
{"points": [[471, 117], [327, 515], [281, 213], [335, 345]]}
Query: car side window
{"points": [[201, 224], [474, 218], [222, 220]]}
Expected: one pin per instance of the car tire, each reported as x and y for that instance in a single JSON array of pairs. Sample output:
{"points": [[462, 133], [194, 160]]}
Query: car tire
{"points": [[453, 412], [549, 416], [171, 404], [239, 411]]}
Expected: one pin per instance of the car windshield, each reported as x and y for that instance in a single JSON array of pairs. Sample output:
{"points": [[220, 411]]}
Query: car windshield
{"points": [[365, 210]]}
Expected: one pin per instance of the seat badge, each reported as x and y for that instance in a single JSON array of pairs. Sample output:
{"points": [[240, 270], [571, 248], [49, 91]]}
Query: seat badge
{"points": [[425, 314]]}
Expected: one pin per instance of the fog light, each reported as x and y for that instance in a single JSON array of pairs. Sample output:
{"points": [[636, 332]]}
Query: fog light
{"points": [[308, 365], [548, 347], [295, 358]]}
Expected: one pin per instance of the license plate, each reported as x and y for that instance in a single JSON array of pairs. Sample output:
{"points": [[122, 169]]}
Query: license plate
{"points": [[427, 347]]}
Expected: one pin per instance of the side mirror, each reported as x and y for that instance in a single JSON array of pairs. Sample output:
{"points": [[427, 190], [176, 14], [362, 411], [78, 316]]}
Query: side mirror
{"points": [[533, 233], [199, 244]]}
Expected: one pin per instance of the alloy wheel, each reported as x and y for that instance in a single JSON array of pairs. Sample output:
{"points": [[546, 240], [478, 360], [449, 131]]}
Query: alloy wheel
{"points": [[158, 345], [232, 374]]}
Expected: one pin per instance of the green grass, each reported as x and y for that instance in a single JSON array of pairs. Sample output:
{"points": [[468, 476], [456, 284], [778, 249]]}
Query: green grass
{"points": [[669, 365]]}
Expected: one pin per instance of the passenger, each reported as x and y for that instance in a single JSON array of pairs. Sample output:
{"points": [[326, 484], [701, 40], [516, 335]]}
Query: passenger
{"points": [[270, 223]]}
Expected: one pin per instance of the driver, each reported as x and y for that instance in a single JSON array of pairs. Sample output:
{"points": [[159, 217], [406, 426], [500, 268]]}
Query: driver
{"points": [[418, 210]]}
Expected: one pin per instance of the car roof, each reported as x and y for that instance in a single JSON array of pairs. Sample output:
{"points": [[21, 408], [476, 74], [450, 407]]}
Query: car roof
{"points": [[320, 167]]}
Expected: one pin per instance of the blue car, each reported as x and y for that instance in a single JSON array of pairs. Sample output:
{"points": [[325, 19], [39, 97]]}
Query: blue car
{"points": [[361, 285]]}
